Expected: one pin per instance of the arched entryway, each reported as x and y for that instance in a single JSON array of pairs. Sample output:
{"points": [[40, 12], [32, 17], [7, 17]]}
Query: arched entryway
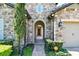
{"points": [[39, 30]]}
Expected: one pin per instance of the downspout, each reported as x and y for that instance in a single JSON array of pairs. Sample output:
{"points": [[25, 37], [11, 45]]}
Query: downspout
{"points": [[53, 17]]}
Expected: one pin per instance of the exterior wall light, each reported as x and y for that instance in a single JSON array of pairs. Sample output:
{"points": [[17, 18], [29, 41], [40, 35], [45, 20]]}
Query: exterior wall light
{"points": [[60, 24], [52, 14]]}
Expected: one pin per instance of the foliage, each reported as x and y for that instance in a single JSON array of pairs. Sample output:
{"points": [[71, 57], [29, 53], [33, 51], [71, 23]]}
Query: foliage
{"points": [[7, 42], [48, 44], [62, 52], [54, 48], [28, 50], [54, 45], [49, 41], [58, 44], [14, 53], [20, 22], [5, 50]]}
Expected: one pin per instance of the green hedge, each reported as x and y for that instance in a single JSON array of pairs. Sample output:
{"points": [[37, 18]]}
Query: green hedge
{"points": [[5, 50], [57, 44], [28, 50], [62, 52], [7, 42], [50, 51], [49, 44]]}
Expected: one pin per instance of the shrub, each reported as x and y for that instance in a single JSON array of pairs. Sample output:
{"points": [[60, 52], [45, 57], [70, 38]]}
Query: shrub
{"points": [[7, 42], [5, 50], [54, 45], [58, 54], [57, 44], [49, 41], [14, 52], [48, 44], [62, 52], [28, 50], [54, 48]]}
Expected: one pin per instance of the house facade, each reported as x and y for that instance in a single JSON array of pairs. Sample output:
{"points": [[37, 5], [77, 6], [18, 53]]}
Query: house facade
{"points": [[39, 26]]}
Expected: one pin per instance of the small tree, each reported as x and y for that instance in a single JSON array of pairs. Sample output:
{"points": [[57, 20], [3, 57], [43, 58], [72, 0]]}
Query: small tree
{"points": [[19, 23]]}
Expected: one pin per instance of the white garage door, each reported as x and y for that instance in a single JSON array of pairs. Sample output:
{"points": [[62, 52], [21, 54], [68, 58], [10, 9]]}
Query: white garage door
{"points": [[71, 35]]}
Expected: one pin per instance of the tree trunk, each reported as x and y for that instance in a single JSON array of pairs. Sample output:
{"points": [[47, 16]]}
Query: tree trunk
{"points": [[25, 40], [19, 47]]}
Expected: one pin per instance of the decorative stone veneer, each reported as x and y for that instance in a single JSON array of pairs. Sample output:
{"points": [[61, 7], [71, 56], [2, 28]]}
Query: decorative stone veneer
{"points": [[36, 16], [6, 13]]}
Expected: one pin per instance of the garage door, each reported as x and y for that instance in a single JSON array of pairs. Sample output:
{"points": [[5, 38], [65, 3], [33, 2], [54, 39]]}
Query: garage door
{"points": [[71, 35]]}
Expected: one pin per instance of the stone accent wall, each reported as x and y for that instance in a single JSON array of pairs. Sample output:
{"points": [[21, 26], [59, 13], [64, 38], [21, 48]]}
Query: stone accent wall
{"points": [[31, 7], [6, 13]]}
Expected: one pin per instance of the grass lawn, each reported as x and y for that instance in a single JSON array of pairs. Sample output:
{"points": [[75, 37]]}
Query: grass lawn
{"points": [[28, 50], [62, 52]]}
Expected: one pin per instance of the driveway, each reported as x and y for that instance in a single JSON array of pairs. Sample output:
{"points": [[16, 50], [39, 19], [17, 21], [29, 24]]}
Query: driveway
{"points": [[73, 51]]}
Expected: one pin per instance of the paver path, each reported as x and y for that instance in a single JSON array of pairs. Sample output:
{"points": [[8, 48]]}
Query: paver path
{"points": [[39, 49]]}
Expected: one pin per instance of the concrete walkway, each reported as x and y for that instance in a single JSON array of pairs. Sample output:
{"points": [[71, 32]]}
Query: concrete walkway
{"points": [[73, 51], [39, 49]]}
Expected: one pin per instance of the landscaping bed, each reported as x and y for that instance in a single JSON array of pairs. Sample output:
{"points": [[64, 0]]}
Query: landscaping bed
{"points": [[7, 42], [28, 50], [62, 52], [5, 50], [54, 48]]}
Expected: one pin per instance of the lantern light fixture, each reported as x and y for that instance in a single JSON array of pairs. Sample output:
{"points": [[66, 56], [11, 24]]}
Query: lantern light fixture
{"points": [[60, 24], [52, 14]]}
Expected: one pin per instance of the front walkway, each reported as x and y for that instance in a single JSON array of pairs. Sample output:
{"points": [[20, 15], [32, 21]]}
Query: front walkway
{"points": [[39, 48], [73, 51]]}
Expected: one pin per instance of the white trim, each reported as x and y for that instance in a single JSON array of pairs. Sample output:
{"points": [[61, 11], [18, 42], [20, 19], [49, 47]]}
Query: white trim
{"points": [[69, 19]]}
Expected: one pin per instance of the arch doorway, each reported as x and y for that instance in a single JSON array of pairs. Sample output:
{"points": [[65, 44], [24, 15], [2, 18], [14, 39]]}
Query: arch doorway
{"points": [[39, 30]]}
